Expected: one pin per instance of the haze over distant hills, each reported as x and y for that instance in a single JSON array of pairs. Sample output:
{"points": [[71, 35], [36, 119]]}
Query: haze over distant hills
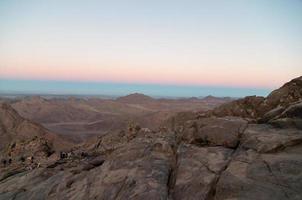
{"points": [[83, 117]]}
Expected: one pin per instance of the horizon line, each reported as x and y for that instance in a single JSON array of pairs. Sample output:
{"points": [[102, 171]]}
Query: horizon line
{"points": [[120, 89], [233, 86]]}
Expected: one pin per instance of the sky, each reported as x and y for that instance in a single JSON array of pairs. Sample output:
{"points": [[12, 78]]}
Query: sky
{"points": [[183, 48]]}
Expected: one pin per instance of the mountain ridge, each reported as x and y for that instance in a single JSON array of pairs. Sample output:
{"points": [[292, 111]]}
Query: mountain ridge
{"points": [[256, 107]]}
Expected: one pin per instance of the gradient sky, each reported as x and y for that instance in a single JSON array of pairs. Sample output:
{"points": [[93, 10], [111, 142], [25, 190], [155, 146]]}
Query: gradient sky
{"points": [[215, 44]]}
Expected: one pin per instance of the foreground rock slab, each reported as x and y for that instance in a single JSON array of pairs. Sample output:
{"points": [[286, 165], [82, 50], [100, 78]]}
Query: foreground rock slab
{"points": [[209, 159], [140, 169], [198, 170], [267, 165]]}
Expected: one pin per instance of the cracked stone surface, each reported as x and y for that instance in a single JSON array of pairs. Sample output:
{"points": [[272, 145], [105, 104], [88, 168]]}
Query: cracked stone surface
{"points": [[198, 169], [264, 138], [139, 169], [265, 166]]}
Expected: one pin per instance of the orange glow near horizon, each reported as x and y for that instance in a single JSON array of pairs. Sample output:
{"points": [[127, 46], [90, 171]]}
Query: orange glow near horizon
{"points": [[147, 75], [231, 43]]}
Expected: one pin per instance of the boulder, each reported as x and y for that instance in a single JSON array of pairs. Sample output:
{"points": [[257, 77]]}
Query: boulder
{"points": [[265, 138], [214, 131]]}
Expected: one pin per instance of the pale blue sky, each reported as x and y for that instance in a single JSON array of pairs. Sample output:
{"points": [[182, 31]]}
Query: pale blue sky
{"points": [[232, 43]]}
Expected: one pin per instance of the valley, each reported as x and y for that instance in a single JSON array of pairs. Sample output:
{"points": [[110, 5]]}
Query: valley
{"points": [[81, 118]]}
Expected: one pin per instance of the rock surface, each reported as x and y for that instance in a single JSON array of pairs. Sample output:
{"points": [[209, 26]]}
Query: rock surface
{"points": [[291, 117], [214, 131], [198, 170], [14, 128], [208, 158], [265, 164]]}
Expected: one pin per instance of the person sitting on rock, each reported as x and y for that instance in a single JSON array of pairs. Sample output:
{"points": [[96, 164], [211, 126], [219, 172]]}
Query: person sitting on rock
{"points": [[63, 155]]}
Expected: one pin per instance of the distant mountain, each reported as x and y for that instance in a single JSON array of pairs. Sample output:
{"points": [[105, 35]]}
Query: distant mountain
{"points": [[135, 98], [211, 98], [80, 118]]}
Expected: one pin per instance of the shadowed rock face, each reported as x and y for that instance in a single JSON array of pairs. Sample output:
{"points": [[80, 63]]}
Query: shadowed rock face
{"points": [[288, 117], [202, 158]]}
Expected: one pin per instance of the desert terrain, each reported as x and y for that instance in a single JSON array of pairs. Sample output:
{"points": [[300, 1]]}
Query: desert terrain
{"points": [[248, 148], [81, 118]]}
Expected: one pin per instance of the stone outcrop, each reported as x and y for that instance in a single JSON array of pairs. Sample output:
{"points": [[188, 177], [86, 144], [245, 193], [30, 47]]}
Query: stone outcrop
{"points": [[261, 108], [214, 131], [265, 166], [289, 93], [248, 107], [289, 117]]}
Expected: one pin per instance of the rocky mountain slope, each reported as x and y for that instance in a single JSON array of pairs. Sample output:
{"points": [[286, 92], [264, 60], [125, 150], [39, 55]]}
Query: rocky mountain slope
{"points": [[25, 144], [14, 128], [203, 157], [275, 108]]}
